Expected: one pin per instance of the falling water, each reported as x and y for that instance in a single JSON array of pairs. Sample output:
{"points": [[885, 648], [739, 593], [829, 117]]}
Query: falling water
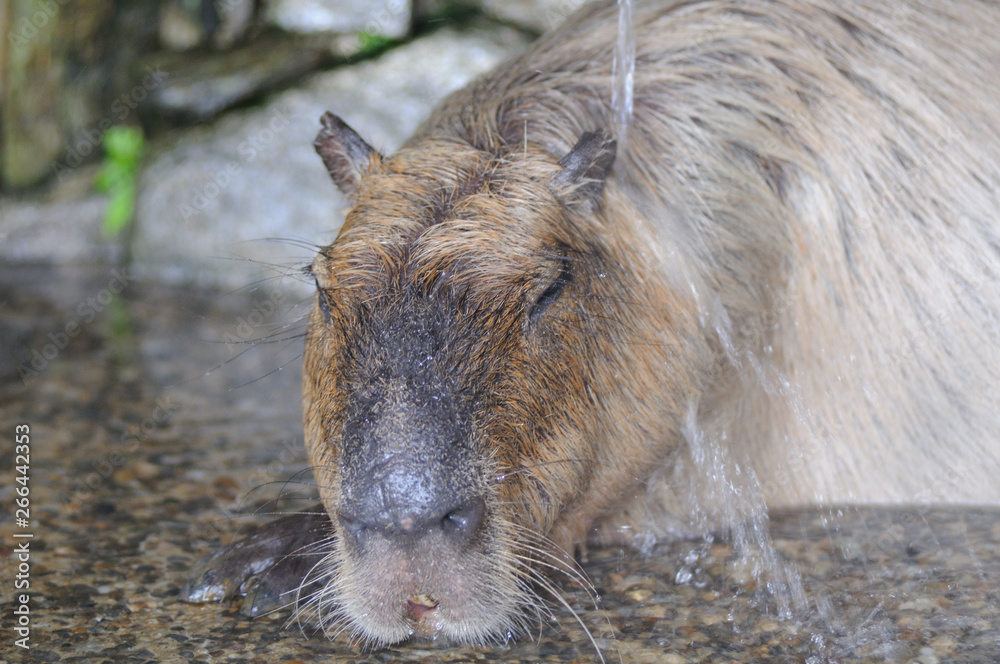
{"points": [[729, 492], [731, 486], [728, 484], [623, 74]]}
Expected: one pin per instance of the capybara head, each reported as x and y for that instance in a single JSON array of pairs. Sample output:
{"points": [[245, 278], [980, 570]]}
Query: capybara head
{"points": [[462, 363]]}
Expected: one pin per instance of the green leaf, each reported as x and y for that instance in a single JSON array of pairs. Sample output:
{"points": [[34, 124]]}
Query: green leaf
{"points": [[370, 44], [123, 150], [120, 210], [124, 145]]}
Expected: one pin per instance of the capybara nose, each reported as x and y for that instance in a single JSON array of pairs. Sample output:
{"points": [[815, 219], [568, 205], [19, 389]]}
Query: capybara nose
{"points": [[404, 509]]}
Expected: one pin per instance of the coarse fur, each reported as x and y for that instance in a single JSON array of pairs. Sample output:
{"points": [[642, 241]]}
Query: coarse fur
{"points": [[792, 261]]}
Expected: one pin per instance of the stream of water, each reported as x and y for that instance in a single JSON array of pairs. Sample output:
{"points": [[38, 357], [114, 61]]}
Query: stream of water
{"points": [[623, 74]]}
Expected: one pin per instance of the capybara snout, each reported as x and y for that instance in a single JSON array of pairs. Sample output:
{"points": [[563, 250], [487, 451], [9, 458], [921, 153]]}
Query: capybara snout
{"points": [[409, 468]]}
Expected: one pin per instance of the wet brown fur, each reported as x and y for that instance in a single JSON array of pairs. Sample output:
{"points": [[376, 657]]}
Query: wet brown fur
{"points": [[793, 261]]}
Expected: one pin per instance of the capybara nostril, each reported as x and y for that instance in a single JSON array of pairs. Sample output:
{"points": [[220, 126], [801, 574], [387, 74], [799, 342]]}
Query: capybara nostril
{"points": [[461, 523], [354, 528], [407, 487], [401, 522]]}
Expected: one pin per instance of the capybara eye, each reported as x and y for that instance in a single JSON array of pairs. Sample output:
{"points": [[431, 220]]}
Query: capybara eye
{"points": [[324, 305], [554, 290]]}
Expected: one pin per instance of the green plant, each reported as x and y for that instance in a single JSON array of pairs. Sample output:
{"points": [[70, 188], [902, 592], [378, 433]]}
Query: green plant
{"points": [[123, 150], [370, 45]]}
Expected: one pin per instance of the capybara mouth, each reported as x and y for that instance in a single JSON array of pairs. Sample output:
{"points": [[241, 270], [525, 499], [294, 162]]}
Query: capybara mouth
{"points": [[379, 619], [428, 580], [422, 611]]}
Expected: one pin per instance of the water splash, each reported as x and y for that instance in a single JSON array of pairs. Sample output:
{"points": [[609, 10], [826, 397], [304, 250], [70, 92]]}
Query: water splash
{"points": [[734, 490]]}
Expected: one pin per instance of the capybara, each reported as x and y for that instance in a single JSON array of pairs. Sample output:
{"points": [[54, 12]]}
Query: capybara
{"points": [[533, 330]]}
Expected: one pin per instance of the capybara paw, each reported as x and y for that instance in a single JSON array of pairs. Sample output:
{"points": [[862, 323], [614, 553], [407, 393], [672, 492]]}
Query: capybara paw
{"points": [[269, 568]]}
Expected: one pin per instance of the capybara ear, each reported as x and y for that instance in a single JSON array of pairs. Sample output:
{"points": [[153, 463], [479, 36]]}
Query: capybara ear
{"points": [[585, 168], [346, 155]]}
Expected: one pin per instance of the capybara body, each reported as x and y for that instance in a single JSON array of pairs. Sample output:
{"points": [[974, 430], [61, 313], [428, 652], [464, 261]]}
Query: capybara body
{"points": [[532, 330]]}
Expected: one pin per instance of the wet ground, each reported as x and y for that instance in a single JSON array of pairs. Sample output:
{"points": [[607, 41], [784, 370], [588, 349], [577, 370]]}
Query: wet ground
{"points": [[163, 420]]}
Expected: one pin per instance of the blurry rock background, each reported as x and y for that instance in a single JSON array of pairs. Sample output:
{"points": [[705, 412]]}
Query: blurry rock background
{"points": [[228, 94]]}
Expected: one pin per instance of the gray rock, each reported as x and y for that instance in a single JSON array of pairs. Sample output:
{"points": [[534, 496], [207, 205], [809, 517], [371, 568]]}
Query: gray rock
{"points": [[62, 227], [211, 201], [536, 15], [180, 26], [185, 25], [197, 87], [235, 20], [388, 18]]}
